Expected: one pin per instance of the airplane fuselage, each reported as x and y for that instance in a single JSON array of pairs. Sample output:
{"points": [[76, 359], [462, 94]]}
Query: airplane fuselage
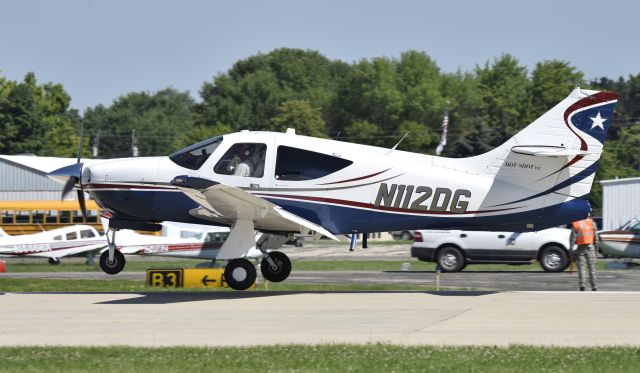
{"points": [[377, 190]]}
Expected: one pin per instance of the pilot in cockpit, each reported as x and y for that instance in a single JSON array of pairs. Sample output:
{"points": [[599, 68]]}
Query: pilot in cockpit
{"points": [[245, 166]]}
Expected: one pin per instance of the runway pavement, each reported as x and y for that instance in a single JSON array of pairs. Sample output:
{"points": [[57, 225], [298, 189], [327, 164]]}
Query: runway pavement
{"points": [[260, 318]]}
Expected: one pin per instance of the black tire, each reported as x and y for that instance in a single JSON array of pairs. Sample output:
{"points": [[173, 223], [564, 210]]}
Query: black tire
{"points": [[240, 274], [114, 267], [278, 274], [406, 236], [54, 261], [553, 259], [450, 259]]}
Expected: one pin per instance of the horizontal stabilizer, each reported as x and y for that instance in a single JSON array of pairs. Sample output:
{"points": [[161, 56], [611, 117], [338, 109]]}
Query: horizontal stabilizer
{"points": [[548, 151]]}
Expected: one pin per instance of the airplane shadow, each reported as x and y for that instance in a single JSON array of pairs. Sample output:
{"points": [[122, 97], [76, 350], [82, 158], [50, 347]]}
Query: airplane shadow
{"points": [[181, 297]]}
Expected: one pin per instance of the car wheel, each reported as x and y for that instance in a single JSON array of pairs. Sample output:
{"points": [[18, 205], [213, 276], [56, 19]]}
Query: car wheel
{"points": [[450, 259], [554, 259], [406, 236]]}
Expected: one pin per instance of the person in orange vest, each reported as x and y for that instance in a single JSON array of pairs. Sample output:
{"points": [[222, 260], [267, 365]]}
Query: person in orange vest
{"points": [[585, 238]]}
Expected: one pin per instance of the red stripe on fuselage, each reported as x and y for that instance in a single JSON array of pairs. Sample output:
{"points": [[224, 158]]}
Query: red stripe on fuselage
{"points": [[374, 207], [357, 178]]}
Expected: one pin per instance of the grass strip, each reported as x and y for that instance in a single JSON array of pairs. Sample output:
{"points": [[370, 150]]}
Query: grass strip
{"points": [[320, 358]]}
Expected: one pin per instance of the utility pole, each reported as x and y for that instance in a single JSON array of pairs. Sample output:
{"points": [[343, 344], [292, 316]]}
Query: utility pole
{"points": [[96, 146], [134, 144]]}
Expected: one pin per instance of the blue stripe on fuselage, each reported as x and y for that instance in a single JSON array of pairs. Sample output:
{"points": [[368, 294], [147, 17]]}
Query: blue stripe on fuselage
{"points": [[344, 220], [174, 206]]}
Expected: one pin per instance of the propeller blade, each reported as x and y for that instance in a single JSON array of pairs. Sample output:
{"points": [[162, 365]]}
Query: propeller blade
{"points": [[83, 205], [63, 174], [68, 186]]}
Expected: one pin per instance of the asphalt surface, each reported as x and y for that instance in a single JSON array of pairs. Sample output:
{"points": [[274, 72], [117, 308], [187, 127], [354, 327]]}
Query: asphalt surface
{"points": [[614, 280]]}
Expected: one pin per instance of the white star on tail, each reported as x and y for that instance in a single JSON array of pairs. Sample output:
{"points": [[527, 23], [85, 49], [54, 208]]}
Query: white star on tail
{"points": [[598, 121]]}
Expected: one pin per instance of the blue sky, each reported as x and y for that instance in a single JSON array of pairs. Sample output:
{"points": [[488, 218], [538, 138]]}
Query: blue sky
{"points": [[99, 50]]}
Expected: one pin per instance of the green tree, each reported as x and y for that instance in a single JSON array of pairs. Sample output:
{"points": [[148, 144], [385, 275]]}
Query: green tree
{"points": [[551, 81], [249, 94], [362, 132], [163, 122], [35, 119], [300, 115], [503, 86], [370, 93]]}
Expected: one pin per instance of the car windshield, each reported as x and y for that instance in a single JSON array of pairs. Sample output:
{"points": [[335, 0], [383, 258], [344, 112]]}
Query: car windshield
{"points": [[194, 156]]}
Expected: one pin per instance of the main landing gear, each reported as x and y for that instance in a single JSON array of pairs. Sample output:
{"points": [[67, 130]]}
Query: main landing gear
{"points": [[275, 266], [240, 273], [112, 261]]}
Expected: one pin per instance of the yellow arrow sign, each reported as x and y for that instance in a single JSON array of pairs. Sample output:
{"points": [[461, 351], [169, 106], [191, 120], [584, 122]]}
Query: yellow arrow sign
{"points": [[204, 277]]}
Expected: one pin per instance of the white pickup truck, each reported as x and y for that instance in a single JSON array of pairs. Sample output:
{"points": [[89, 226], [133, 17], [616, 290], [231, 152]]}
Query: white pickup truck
{"points": [[452, 250]]}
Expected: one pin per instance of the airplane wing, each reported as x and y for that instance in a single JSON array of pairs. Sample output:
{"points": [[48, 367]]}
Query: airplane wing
{"points": [[225, 204]]}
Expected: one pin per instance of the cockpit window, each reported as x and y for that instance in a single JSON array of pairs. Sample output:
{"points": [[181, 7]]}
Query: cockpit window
{"points": [[635, 228], [194, 156], [300, 164], [243, 159], [87, 233], [627, 226]]}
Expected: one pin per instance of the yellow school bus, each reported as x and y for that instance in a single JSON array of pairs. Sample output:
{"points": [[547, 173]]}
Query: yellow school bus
{"points": [[25, 217]]}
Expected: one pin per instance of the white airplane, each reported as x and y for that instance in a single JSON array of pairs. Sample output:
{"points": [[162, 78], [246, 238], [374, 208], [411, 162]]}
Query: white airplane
{"points": [[53, 244], [623, 242], [178, 240], [283, 183]]}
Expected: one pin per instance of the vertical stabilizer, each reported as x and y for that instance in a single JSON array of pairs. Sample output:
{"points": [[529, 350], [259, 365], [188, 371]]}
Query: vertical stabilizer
{"points": [[552, 161]]}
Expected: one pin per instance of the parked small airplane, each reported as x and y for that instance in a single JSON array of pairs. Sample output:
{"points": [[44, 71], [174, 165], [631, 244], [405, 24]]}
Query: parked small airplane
{"points": [[283, 183], [53, 244], [178, 240], [623, 242]]}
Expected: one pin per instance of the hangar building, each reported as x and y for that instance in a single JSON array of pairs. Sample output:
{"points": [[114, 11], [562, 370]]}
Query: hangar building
{"points": [[24, 178], [620, 201], [31, 202]]}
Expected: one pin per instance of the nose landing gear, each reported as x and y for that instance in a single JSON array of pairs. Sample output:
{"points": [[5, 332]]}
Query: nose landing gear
{"points": [[112, 261]]}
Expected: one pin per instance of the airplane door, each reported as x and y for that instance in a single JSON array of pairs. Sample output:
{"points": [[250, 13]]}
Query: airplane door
{"points": [[245, 164], [295, 174]]}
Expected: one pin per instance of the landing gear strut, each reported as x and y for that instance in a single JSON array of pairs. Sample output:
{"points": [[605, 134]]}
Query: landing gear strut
{"points": [[275, 266], [112, 261], [54, 261]]}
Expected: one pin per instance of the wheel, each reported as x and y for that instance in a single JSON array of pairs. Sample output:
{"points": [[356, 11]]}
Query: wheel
{"points": [[450, 259], [282, 269], [54, 261], [240, 274], [114, 267], [406, 236], [554, 259]]}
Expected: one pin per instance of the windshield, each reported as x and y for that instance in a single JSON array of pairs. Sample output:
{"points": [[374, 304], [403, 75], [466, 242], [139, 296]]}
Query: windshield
{"points": [[194, 156]]}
